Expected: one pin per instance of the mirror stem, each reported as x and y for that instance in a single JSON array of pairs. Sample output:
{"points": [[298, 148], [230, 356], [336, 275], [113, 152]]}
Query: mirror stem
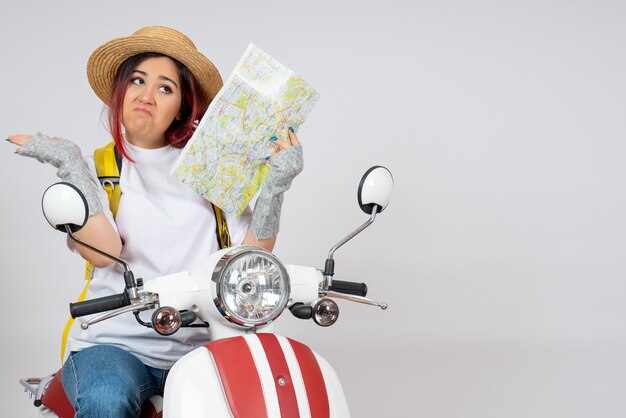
{"points": [[329, 269], [353, 233], [84, 244], [129, 278]]}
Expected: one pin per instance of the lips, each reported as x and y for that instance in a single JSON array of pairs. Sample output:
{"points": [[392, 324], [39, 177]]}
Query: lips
{"points": [[143, 111]]}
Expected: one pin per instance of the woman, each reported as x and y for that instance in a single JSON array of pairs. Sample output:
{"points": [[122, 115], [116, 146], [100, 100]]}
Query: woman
{"points": [[156, 85]]}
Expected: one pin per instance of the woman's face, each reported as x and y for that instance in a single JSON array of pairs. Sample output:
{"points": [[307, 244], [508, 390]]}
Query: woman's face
{"points": [[152, 102]]}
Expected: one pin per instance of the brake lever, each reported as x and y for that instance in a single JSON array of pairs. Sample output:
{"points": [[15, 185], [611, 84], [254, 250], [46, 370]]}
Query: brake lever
{"points": [[354, 298], [146, 302]]}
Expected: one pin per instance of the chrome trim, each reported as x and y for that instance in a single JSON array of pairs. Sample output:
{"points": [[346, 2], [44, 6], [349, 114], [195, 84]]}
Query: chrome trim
{"points": [[133, 293], [328, 278], [316, 313], [176, 313], [352, 234], [148, 301], [353, 298], [97, 250], [36, 387], [224, 262]]}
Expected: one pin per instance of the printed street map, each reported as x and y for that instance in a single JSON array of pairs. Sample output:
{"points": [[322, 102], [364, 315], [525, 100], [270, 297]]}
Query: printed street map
{"points": [[225, 160]]}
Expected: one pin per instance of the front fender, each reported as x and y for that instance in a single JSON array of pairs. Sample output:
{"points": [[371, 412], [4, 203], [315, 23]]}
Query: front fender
{"points": [[253, 376]]}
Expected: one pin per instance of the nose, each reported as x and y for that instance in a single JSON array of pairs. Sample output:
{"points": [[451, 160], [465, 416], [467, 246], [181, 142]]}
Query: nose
{"points": [[146, 96]]}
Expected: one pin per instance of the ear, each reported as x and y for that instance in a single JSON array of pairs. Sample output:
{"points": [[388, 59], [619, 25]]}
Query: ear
{"points": [[179, 116]]}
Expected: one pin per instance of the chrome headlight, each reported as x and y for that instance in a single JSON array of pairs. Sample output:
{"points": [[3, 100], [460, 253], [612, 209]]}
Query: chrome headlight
{"points": [[252, 286]]}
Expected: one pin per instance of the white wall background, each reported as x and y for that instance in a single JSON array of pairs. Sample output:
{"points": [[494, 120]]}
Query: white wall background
{"points": [[502, 252]]}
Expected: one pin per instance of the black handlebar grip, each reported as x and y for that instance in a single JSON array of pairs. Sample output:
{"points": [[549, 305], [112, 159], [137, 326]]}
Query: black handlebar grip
{"points": [[97, 305], [350, 288]]}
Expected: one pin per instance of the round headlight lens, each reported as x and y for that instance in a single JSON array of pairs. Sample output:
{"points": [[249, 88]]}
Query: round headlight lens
{"points": [[252, 286]]}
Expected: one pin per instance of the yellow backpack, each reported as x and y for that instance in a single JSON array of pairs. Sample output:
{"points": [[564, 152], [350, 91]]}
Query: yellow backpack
{"points": [[108, 167]]}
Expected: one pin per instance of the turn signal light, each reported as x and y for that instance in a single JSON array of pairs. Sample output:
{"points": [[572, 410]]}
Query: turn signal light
{"points": [[325, 312], [166, 320]]}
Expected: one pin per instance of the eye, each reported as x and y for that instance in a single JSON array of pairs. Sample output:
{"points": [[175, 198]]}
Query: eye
{"points": [[166, 89], [137, 80]]}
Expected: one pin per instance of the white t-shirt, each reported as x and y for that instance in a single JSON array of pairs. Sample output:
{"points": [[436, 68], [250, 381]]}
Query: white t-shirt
{"points": [[165, 227]]}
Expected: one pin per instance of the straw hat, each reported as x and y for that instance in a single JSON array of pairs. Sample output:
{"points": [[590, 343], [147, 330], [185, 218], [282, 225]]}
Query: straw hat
{"points": [[105, 61]]}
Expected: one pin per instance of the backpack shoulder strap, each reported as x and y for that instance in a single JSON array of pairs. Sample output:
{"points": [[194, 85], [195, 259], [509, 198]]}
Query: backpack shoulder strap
{"points": [[108, 167], [221, 230]]}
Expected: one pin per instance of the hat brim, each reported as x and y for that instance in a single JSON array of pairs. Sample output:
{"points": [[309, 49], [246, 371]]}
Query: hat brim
{"points": [[105, 61]]}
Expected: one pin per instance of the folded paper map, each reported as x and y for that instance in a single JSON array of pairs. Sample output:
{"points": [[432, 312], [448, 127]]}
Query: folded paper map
{"points": [[226, 159]]}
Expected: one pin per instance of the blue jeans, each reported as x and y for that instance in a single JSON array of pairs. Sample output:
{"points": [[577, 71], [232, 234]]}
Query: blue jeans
{"points": [[104, 381]]}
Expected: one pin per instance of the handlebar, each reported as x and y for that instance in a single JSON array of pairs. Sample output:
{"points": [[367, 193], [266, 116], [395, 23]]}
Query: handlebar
{"points": [[349, 288], [97, 305]]}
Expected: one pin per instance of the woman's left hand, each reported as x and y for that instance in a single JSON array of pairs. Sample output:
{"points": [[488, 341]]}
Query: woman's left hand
{"points": [[286, 163], [284, 144]]}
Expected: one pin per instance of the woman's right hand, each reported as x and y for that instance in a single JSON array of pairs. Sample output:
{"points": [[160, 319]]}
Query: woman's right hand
{"points": [[64, 155], [19, 140], [61, 153]]}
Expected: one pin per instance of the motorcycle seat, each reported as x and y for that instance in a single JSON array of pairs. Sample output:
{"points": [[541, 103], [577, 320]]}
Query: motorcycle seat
{"points": [[54, 398]]}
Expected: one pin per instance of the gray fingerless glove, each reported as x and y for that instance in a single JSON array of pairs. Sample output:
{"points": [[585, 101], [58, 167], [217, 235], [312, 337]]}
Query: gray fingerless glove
{"points": [[284, 168], [68, 158]]}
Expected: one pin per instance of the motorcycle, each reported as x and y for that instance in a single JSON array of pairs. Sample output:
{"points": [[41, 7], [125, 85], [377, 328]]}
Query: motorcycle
{"points": [[246, 370]]}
